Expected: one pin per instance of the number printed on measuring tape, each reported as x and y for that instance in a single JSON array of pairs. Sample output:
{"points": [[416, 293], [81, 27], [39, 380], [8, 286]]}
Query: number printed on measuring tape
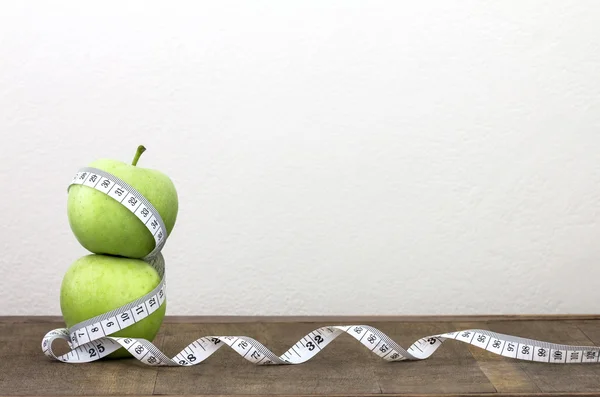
{"points": [[90, 340]]}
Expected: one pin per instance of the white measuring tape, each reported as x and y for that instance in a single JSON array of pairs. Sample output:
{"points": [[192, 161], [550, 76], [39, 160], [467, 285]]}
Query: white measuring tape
{"points": [[90, 340]]}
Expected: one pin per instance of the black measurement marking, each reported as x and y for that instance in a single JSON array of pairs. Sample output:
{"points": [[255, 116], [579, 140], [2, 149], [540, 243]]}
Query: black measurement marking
{"points": [[296, 352]]}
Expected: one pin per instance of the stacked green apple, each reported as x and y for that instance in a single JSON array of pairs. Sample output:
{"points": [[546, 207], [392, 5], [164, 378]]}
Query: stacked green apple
{"points": [[115, 273]]}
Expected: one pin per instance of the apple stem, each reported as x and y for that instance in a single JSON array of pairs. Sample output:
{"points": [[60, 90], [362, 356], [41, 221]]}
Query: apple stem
{"points": [[141, 149]]}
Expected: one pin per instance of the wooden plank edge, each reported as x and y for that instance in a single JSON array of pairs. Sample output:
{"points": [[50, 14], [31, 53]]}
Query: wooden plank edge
{"points": [[490, 394], [346, 319]]}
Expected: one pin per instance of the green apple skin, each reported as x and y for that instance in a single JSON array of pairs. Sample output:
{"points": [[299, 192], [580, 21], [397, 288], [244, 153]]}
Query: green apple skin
{"points": [[104, 226], [95, 284]]}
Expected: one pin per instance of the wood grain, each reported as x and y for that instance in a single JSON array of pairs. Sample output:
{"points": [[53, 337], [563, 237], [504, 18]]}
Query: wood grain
{"points": [[343, 368]]}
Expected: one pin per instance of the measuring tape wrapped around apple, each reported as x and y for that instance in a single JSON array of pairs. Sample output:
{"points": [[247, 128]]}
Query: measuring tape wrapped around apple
{"points": [[114, 300]]}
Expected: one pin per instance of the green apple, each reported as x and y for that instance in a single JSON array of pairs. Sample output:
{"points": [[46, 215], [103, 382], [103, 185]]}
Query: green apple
{"points": [[95, 284], [104, 226]]}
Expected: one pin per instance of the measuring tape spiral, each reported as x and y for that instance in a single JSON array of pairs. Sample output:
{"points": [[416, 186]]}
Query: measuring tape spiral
{"points": [[90, 340]]}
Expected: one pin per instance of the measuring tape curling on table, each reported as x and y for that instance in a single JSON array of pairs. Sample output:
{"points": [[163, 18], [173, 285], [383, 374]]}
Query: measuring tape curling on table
{"points": [[90, 340]]}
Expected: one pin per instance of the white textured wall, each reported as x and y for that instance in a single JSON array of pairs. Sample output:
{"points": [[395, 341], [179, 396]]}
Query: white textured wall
{"points": [[330, 157]]}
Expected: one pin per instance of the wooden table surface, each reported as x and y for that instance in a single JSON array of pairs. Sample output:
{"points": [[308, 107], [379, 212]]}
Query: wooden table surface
{"points": [[343, 368]]}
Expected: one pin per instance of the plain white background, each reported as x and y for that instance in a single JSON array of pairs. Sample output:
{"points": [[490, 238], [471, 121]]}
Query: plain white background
{"points": [[331, 157]]}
